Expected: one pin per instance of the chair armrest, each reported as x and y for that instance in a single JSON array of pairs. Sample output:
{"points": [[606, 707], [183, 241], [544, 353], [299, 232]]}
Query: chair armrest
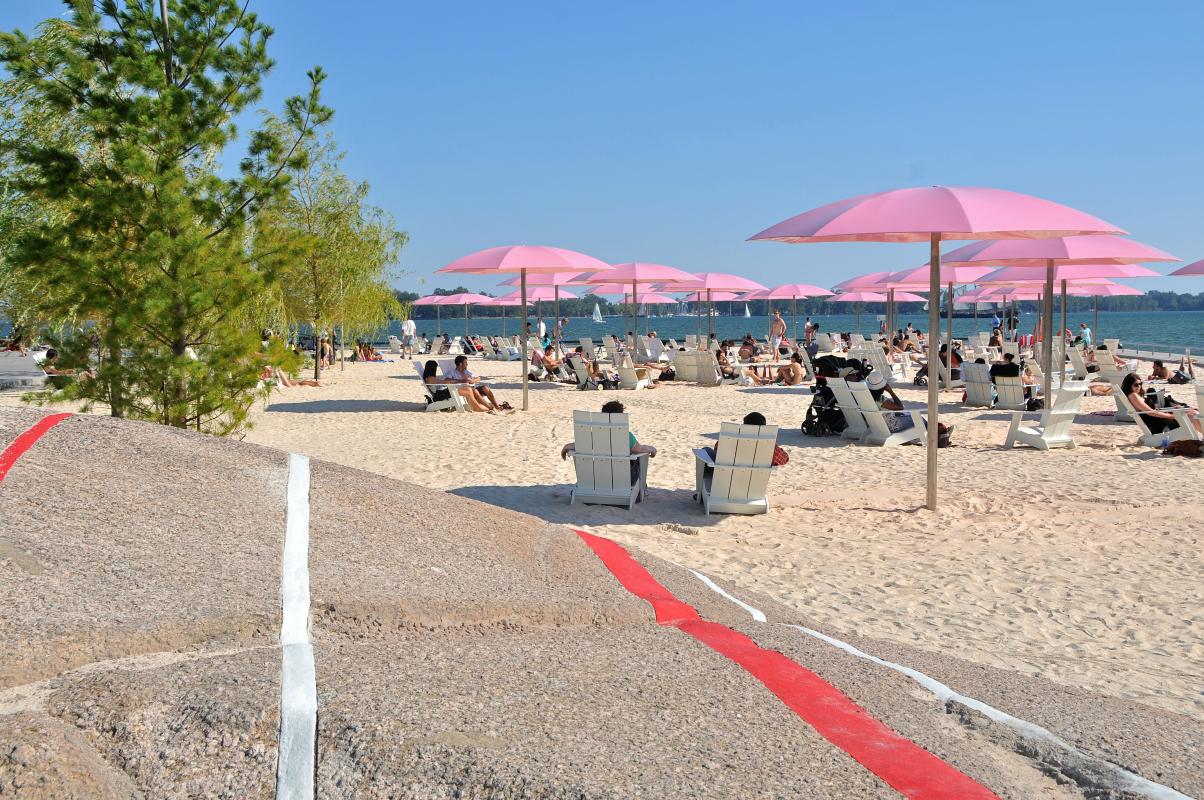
{"points": [[702, 455]]}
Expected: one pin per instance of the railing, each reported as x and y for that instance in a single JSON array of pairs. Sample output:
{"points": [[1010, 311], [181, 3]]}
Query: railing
{"points": [[1156, 350]]}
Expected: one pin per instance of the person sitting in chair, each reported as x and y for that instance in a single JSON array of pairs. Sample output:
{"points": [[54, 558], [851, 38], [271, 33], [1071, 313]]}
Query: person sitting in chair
{"points": [[615, 407], [1157, 420], [484, 394]]}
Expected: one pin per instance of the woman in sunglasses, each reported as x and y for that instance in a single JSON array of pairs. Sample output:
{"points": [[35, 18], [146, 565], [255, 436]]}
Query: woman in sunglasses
{"points": [[1156, 419]]}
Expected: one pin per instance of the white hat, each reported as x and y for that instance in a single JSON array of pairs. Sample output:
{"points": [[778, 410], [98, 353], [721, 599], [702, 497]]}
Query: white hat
{"points": [[875, 382]]}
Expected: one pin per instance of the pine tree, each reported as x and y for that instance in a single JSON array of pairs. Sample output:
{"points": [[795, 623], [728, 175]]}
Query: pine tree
{"points": [[153, 243]]}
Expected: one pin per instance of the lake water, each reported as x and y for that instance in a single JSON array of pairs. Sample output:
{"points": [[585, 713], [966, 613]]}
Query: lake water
{"points": [[1172, 330]]}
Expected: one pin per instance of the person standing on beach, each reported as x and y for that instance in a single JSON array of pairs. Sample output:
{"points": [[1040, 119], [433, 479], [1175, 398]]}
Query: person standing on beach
{"points": [[777, 331], [1085, 334], [408, 330]]}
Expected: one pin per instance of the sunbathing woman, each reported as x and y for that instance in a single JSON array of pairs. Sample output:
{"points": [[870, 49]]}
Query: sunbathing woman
{"points": [[1157, 420], [793, 373], [430, 378]]}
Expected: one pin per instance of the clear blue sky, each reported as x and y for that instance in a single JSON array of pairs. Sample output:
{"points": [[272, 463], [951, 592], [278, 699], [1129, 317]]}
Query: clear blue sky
{"points": [[672, 131]]}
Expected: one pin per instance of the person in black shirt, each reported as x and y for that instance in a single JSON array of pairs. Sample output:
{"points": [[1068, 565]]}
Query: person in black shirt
{"points": [[1008, 368]]}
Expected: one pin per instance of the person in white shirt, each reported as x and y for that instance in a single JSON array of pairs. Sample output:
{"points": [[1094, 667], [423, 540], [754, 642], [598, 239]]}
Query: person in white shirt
{"points": [[408, 330], [461, 375], [543, 329]]}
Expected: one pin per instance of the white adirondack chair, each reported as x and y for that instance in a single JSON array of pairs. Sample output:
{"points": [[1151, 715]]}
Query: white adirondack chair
{"points": [[394, 345], [455, 402], [1145, 437], [1053, 430], [855, 427], [878, 432], [633, 377], [1009, 394], [691, 341], [1113, 345], [893, 371], [743, 462], [1077, 362], [602, 459], [1011, 347], [581, 372], [823, 343], [980, 392], [685, 364]]}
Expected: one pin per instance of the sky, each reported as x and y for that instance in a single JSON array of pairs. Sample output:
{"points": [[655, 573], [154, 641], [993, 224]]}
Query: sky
{"points": [[672, 131]]}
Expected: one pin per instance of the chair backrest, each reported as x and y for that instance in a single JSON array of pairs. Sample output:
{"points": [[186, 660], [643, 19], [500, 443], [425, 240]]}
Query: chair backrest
{"points": [[430, 390], [1009, 393], [824, 344], [580, 371], [1126, 412], [848, 405], [641, 349], [868, 408], [856, 340], [691, 341], [602, 451], [1056, 421], [1011, 347], [979, 391], [685, 364], [1076, 361], [743, 461], [981, 339], [708, 369], [1112, 344]]}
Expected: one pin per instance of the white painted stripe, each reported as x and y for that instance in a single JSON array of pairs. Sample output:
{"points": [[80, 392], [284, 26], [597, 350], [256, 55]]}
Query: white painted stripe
{"points": [[298, 684], [1125, 780]]}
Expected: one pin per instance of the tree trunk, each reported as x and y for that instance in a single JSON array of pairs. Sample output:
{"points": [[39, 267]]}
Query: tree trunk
{"points": [[317, 352], [116, 398]]}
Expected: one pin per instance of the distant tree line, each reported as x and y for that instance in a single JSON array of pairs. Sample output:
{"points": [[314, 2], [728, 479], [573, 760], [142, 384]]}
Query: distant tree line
{"points": [[584, 306]]}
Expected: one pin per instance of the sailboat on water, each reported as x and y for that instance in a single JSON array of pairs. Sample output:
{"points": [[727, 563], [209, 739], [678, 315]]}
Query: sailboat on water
{"points": [[746, 313], [598, 315]]}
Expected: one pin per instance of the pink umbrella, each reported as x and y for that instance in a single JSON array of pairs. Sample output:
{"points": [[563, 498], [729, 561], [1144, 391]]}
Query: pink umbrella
{"points": [[641, 272], [711, 282], [538, 294], [1195, 268], [950, 276], [791, 292], [504, 303], [465, 299], [718, 297], [1087, 252], [862, 281], [525, 259], [865, 296], [934, 214], [555, 280], [1066, 272], [618, 288], [432, 300]]}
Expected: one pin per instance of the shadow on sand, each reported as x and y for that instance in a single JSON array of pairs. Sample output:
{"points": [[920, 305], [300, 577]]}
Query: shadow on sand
{"points": [[675, 507], [343, 406]]}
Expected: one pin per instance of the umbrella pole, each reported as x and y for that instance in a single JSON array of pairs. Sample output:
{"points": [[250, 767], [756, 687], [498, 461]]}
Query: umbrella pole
{"points": [[710, 317], [635, 317], [503, 322], [857, 310], [1095, 322], [466, 323], [437, 330], [1047, 329], [794, 313], [556, 328], [949, 353], [1062, 336], [697, 316], [934, 324], [523, 337]]}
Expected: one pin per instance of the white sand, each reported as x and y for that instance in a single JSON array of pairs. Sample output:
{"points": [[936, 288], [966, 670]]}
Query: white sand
{"points": [[1083, 566]]}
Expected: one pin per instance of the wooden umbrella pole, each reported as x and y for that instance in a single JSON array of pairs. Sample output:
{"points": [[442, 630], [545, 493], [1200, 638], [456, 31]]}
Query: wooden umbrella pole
{"points": [[934, 324], [556, 327], [523, 331], [1047, 329], [1095, 323], [1062, 338], [794, 314], [466, 324]]}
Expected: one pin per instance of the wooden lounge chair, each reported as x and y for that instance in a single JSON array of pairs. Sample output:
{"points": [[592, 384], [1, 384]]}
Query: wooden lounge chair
{"points": [[878, 431], [893, 371], [581, 373], [685, 364], [855, 427], [1145, 437], [602, 459], [1053, 430], [980, 392], [743, 462], [632, 377], [1078, 364]]}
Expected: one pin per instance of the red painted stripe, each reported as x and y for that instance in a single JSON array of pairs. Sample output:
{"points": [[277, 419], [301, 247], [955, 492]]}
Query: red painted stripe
{"points": [[907, 767], [26, 441]]}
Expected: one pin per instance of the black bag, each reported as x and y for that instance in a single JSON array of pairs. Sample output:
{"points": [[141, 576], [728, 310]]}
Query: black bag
{"points": [[440, 394], [667, 374], [1034, 404]]}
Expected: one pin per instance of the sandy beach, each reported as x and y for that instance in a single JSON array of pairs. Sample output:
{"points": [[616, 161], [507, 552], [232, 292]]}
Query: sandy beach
{"points": [[1081, 566]]}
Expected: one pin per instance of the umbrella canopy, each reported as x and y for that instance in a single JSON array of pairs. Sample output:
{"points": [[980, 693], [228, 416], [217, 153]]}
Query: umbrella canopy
{"points": [[617, 288], [950, 274], [701, 297], [546, 279], [1064, 250], [430, 300], [542, 293], [788, 291], [858, 297], [650, 297], [1195, 268], [635, 273], [952, 212], [934, 214], [462, 298], [1067, 272], [525, 260], [865, 281], [506, 300]]}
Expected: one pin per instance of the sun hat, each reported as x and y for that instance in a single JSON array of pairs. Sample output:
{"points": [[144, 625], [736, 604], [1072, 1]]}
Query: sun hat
{"points": [[875, 382]]}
